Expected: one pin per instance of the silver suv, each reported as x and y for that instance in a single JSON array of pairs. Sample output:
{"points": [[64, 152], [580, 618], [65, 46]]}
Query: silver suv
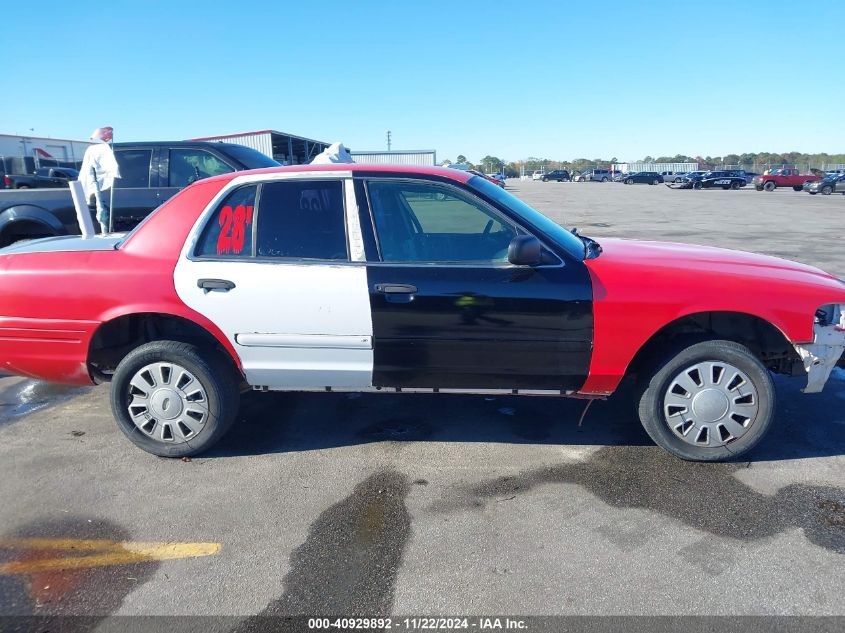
{"points": [[598, 175]]}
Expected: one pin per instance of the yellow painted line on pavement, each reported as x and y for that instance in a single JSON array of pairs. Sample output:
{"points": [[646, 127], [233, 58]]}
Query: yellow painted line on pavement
{"points": [[106, 553]]}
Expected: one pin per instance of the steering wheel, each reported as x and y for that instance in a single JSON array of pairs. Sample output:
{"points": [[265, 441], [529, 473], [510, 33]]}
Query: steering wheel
{"points": [[488, 227]]}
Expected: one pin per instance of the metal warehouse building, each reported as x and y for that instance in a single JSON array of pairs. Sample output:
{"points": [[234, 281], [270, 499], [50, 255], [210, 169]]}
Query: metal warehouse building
{"points": [[419, 157], [288, 149], [674, 167]]}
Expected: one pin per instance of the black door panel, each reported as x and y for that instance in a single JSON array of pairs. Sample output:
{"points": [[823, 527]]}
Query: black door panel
{"points": [[481, 327]]}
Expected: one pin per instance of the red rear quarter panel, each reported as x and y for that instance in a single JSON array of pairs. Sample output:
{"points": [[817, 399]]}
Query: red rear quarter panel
{"points": [[640, 287], [52, 303]]}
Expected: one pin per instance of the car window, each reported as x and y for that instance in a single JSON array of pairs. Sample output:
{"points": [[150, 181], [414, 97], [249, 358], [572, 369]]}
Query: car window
{"points": [[134, 165], [430, 222], [189, 165], [302, 220], [228, 232]]}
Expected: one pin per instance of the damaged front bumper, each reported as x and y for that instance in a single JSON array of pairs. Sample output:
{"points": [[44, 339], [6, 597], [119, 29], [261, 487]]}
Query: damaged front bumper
{"points": [[822, 355]]}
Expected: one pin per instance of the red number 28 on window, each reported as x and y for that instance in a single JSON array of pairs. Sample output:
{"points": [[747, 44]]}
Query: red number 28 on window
{"points": [[233, 232]]}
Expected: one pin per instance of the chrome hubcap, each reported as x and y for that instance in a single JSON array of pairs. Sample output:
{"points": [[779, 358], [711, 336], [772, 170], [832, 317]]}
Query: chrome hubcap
{"points": [[167, 403], [710, 404]]}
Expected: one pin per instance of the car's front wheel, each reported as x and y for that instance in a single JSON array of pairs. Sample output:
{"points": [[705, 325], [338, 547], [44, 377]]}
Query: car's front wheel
{"points": [[710, 401], [770, 186], [827, 190], [174, 399]]}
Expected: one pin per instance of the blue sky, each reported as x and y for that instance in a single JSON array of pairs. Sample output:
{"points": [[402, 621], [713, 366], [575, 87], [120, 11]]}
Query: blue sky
{"points": [[508, 79]]}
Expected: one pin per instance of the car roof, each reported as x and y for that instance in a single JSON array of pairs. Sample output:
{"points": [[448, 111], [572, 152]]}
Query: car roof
{"points": [[443, 172]]}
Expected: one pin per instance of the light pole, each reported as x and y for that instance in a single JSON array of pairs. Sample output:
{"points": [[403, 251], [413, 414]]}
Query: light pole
{"points": [[388, 140]]}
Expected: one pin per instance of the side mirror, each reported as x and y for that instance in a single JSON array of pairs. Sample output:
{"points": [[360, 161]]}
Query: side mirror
{"points": [[525, 250]]}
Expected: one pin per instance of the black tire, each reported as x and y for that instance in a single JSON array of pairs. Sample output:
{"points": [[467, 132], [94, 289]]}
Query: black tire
{"points": [[544, 179], [696, 184], [215, 375], [827, 190], [604, 179], [23, 186], [656, 182], [629, 182], [770, 185], [726, 187], [812, 193], [735, 184], [654, 384], [801, 188]]}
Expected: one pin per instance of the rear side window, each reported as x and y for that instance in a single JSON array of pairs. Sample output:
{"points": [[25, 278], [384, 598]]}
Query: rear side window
{"points": [[229, 231], [302, 220], [134, 165]]}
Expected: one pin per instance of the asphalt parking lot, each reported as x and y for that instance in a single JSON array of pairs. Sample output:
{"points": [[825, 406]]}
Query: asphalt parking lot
{"points": [[438, 504]]}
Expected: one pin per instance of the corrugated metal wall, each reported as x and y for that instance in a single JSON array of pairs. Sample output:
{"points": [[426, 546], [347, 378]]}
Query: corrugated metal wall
{"points": [[262, 142], [422, 158], [630, 167]]}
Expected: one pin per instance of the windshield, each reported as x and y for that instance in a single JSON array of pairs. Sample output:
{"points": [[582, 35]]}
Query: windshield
{"points": [[248, 157], [573, 245]]}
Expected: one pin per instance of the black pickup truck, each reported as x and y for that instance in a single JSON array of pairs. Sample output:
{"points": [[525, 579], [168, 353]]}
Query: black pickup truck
{"points": [[150, 174], [44, 177]]}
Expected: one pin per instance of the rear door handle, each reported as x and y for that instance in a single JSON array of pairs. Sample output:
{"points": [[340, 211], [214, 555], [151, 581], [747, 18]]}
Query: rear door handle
{"points": [[396, 289], [215, 284]]}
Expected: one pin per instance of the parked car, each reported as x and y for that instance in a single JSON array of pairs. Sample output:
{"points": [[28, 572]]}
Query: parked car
{"points": [[644, 177], [150, 174], [672, 176], [723, 179], [786, 177], [537, 175], [486, 177], [595, 175], [43, 178], [560, 175], [714, 179], [833, 183], [235, 283], [692, 175], [619, 176]]}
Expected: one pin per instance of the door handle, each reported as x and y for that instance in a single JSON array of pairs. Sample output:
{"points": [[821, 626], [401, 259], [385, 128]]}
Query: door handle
{"points": [[396, 289], [215, 284]]}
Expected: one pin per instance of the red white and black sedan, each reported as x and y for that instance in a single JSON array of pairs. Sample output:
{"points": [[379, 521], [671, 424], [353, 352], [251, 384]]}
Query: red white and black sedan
{"points": [[400, 279]]}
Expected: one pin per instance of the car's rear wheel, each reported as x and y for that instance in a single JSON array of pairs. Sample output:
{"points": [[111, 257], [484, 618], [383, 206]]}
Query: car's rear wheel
{"points": [[736, 185], [696, 184], [827, 190], [796, 188], [174, 399], [710, 401], [656, 182], [604, 179], [770, 186]]}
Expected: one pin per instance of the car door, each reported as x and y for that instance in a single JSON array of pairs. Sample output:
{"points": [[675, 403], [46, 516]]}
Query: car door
{"points": [[450, 312], [134, 195], [272, 268]]}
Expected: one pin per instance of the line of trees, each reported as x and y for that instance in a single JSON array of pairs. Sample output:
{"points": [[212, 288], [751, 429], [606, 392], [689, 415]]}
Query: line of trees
{"points": [[513, 169]]}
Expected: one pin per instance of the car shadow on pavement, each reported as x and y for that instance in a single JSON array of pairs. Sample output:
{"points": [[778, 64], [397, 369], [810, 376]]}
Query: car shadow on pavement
{"points": [[805, 425]]}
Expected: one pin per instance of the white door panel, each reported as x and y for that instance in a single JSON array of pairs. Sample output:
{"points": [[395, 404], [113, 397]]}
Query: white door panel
{"points": [[293, 325]]}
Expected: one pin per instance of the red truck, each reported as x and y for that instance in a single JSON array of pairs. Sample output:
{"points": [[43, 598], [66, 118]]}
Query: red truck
{"points": [[786, 177]]}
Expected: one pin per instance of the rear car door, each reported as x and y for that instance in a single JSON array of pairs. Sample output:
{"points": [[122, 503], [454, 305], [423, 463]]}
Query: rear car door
{"points": [[134, 193], [450, 312], [272, 268]]}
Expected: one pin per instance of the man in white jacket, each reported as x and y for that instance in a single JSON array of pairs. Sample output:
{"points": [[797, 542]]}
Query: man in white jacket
{"points": [[97, 174]]}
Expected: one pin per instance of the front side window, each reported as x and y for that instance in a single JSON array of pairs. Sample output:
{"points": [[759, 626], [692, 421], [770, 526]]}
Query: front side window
{"points": [[190, 165], [302, 220], [228, 232], [429, 222], [134, 165]]}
